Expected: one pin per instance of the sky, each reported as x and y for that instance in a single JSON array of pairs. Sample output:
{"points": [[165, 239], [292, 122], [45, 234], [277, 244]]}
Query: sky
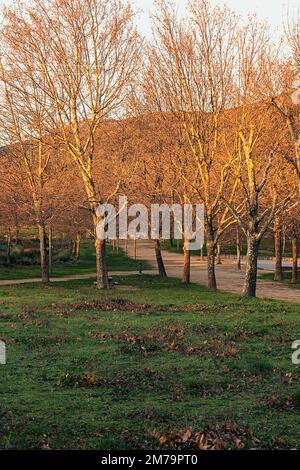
{"points": [[273, 10]]}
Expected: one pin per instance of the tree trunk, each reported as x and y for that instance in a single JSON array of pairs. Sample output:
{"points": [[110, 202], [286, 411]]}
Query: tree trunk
{"points": [[102, 275], [44, 253], [186, 275], [295, 261], [71, 248], [134, 249], [77, 247], [219, 249], [283, 243], [50, 248], [8, 250], [74, 248], [172, 231], [251, 267], [238, 249], [211, 255], [211, 271], [159, 259], [278, 250], [17, 235]]}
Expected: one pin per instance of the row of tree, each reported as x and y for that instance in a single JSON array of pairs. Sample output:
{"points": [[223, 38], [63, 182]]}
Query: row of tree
{"points": [[206, 112]]}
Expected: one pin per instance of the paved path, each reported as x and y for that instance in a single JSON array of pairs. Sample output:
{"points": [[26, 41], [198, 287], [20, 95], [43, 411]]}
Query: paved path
{"points": [[228, 277], [38, 279], [73, 277], [267, 264]]}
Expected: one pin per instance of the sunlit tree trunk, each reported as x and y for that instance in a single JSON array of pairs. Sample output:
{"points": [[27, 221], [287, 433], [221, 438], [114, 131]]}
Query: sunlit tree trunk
{"points": [[278, 250], [44, 252], [219, 250], [186, 275], [73, 247], [77, 249], [211, 256], [238, 249], [102, 274], [251, 267], [211, 270], [50, 248], [283, 242], [17, 233], [295, 261]]}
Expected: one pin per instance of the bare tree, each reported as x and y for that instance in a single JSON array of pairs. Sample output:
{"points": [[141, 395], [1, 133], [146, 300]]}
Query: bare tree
{"points": [[261, 203], [191, 73], [284, 82], [21, 119], [83, 55], [256, 142]]}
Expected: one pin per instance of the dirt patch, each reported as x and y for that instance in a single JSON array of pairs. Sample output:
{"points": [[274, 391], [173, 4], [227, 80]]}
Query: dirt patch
{"points": [[219, 437], [227, 436], [27, 312], [122, 384], [147, 344], [106, 306]]}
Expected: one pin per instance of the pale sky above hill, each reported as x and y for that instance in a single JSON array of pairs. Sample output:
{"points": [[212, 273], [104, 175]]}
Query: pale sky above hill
{"points": [[275, 11], [272, 10]]}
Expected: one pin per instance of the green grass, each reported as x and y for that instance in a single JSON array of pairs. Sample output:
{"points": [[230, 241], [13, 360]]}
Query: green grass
{"points": [[287, 275], [117, 261], [91, 369]]}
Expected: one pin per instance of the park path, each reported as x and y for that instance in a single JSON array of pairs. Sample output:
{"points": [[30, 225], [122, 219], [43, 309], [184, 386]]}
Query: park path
{"points": [[73, 277], [229, 279]]}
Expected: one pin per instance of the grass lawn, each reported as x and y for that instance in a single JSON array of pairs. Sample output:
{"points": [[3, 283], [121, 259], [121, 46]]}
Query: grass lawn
{"points": [[286, 279], [137, 367], [86, 264]]}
